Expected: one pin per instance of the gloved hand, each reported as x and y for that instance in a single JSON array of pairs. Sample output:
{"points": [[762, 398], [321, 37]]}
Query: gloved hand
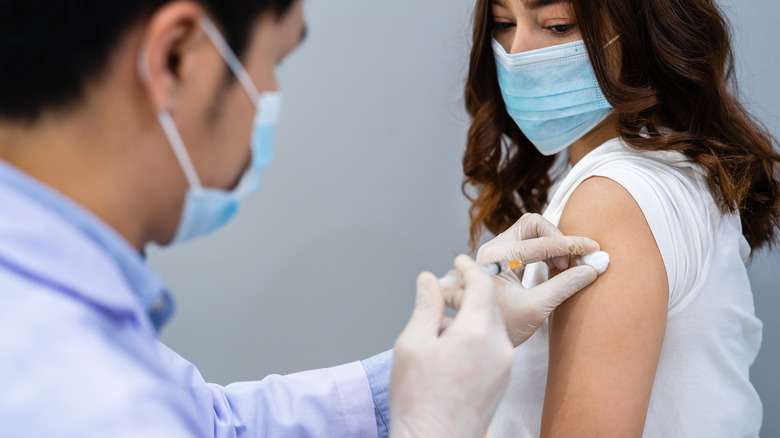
{"points": [[447, 383], [534, 239]]}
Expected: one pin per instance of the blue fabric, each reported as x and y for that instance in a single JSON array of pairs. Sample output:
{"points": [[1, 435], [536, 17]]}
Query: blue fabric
{"points": [[79, 355], [206, 209], [552, 94], [143, 281], [378, 370]]}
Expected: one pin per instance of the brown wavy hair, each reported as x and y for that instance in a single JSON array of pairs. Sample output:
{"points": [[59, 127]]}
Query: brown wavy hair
{"points": [[676, 71]]}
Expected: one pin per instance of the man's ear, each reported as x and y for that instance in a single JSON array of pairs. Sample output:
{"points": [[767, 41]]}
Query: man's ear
{"points": [[171, 37]]}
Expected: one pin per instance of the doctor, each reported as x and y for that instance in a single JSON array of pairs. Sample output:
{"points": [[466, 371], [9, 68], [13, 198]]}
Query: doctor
{"points": [[125, 123]]}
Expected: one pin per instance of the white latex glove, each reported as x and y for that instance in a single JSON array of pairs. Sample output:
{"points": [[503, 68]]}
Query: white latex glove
{"points": [[447, 383], [534, 239]]}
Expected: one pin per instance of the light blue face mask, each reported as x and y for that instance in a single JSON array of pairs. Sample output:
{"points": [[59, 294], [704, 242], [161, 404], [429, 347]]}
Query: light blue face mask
{"points": [[551, 93], [207, 209]]}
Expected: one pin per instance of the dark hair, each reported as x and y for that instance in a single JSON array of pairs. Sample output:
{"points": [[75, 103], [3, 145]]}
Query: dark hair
{"points": [[50, 49], [676, 71]]}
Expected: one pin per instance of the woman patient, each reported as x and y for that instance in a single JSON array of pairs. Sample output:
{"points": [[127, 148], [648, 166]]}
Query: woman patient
{"points": [[617, 119]]}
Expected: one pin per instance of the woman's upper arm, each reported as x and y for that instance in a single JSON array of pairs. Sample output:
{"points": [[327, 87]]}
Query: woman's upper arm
{"points": [[605, 342]]}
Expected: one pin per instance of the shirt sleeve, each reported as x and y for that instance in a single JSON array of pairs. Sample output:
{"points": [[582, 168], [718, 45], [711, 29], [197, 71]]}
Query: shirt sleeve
{"points": [[378, 370], [675, 206], [322, 403]]}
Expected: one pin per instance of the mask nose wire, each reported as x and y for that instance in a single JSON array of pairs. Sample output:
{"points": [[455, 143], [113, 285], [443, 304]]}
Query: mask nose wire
{"points": [[230, 58], [496, 44]]}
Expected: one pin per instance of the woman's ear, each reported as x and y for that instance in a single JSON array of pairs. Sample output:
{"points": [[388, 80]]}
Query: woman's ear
{"points": [[172, 36]]}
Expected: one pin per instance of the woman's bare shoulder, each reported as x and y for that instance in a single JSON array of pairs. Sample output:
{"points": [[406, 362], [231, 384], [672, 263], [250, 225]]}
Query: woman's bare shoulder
{"points": [[605, 342]]}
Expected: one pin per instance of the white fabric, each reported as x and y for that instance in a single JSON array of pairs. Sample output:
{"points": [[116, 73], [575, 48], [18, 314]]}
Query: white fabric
{"points": [[712, 335]]}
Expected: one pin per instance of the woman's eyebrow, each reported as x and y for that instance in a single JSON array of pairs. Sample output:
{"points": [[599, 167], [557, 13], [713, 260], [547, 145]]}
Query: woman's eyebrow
{"points": [[530, 4], [536, 4]]}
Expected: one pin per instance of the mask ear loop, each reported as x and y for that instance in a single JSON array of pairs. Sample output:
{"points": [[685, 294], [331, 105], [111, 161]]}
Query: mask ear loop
{"points": [[230, 57], [169, 127]]}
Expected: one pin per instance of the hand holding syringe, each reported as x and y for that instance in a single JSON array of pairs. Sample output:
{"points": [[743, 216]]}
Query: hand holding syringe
{"points": [[490, 313]]}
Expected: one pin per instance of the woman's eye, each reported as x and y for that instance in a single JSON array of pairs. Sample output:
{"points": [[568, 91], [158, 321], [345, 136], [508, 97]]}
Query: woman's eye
{"points": [[501, 25], [560, 28]]}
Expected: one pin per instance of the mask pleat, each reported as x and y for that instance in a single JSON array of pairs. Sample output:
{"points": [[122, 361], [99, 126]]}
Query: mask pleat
{"points": [[552, 94]]}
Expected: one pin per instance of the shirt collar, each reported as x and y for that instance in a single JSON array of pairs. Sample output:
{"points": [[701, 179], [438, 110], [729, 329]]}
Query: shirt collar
{"points": [[145, 284]]}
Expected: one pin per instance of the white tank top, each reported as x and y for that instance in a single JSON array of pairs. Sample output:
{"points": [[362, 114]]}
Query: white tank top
{"points": [[702, 386]]}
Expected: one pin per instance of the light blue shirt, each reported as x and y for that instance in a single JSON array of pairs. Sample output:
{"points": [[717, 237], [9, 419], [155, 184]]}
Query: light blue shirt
{"points": [[80, 312]]}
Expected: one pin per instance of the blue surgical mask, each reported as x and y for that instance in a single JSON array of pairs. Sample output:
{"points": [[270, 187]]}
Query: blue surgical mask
{"points": [[551, 93], [207, 209]]}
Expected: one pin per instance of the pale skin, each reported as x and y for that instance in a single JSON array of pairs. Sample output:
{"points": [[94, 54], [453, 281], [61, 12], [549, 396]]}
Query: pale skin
{"points": [[606, 341]]}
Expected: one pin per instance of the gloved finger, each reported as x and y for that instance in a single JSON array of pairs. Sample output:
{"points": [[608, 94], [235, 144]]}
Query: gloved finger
{"points": [[560, 263], [479, 300], [540, 249], [446, 323], [453, 298], [425, 322], [532, 226], [555, 291]]}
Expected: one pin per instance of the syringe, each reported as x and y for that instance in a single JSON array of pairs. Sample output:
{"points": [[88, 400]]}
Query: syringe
{"points": [[598, 260], [453, 280]]}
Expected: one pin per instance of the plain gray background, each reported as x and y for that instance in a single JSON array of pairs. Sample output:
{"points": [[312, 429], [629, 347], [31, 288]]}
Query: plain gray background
{"points": [[364, 193]]}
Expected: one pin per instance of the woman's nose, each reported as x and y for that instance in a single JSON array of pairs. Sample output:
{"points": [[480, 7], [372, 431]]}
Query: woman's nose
{"points": [[524, 39]]}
